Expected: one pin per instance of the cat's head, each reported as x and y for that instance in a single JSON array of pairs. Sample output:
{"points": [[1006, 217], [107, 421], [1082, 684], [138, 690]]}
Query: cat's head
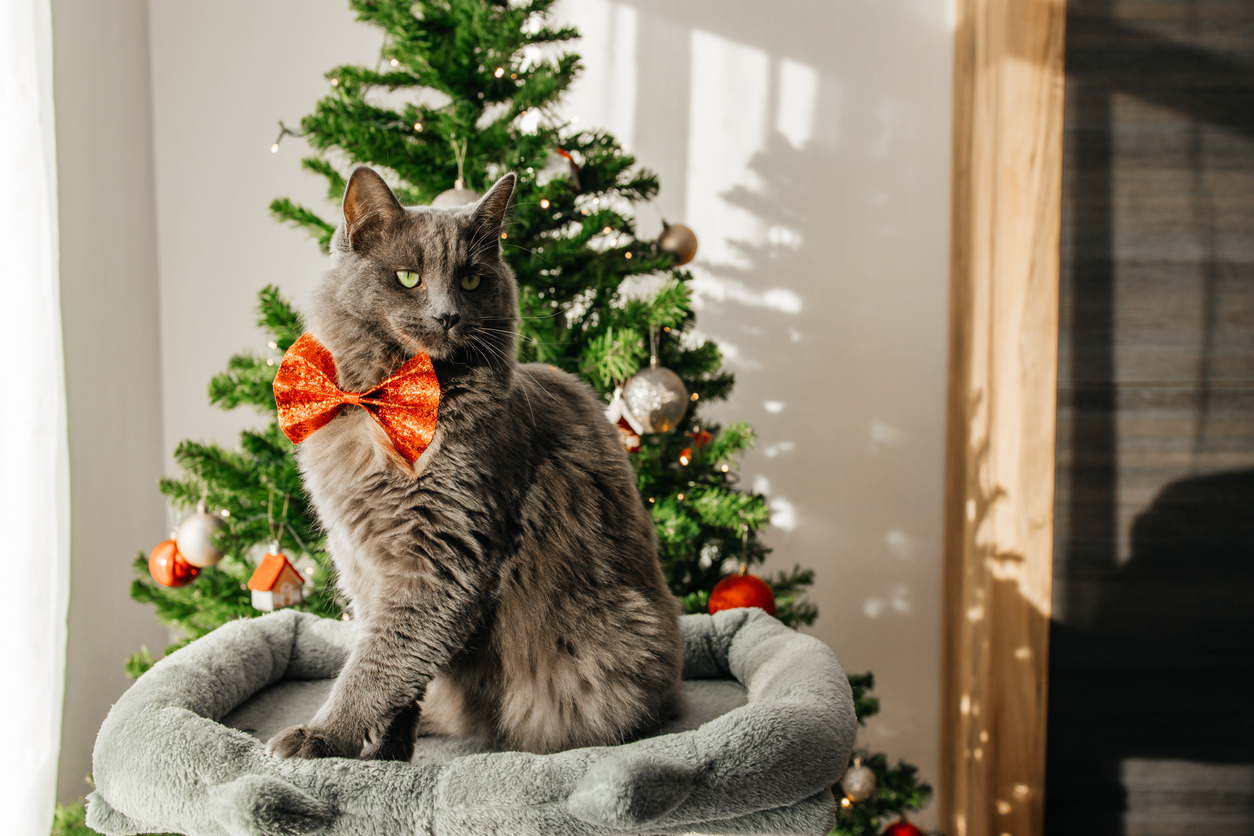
{"points": [[405, 280]]}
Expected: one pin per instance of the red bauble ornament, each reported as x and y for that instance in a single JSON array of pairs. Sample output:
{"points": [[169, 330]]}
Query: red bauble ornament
{"points": [[902, 827], [168, 567], [743, 590]]}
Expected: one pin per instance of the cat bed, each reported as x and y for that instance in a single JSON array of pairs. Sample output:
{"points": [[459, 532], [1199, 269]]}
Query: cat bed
{"points": [[767, 732]]}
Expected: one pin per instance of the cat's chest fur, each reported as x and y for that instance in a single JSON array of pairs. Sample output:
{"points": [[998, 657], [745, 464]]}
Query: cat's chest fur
{"points": [[357, 481]]}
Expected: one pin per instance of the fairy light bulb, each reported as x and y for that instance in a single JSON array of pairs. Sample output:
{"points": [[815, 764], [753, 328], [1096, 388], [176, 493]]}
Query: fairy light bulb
{"points": [[394, 63], [574, 119], [274, 149], [500, 71], [418, 126], [725, 468], [694, 396], [335, 82], [680, 497], [272, 344], [607, 230], [544, 203], [626, 255]]}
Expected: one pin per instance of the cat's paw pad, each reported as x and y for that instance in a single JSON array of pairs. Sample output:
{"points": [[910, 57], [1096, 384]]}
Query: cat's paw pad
{"points": [[302, 742]]}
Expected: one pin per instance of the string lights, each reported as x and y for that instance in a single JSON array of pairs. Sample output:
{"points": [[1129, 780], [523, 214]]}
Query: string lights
{"points": [[284, 130]]}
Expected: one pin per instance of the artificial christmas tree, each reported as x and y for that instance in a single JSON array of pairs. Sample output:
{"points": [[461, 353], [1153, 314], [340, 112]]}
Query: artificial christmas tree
{"points": [[480, 81], [498, 72]]}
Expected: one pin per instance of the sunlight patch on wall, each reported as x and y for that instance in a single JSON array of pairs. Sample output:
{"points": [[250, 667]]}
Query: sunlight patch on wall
{"points": [[898, 600], [900, 544], [727, 126], [605, 94], [778, 449], [884, 434], [741, 101], [783, 514], [712, 288], [798, 88]]}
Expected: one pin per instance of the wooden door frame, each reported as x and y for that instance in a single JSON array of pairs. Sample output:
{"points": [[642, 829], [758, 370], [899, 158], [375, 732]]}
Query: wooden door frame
{"points": [[1000, 415]]}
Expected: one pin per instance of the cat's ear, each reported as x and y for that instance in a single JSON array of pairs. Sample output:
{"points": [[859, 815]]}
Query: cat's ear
{"points": [[489, 213], [368, 205]]}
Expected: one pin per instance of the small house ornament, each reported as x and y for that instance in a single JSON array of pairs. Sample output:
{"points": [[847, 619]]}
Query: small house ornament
{"points": [[276, 583], [629, 429]]}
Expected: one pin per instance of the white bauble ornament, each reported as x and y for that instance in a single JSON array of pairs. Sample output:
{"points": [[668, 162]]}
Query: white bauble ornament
{"points": [[457, 196], [656, 397], [195, 537], [859, 782]]}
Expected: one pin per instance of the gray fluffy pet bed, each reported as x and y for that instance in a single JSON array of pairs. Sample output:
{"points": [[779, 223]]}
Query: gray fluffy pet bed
{"points": [[767, 732]]}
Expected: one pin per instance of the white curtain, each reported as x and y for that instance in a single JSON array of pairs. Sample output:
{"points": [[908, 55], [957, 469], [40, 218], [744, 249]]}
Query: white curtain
{"points": [[34, 455]]}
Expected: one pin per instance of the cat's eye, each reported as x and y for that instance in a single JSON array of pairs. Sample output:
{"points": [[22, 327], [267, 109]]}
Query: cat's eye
{"points": [[408, 278], [470, 282]]}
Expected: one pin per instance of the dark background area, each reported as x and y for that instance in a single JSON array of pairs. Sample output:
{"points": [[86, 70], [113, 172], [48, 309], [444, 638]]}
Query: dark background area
{"points": [[1151, 714]]}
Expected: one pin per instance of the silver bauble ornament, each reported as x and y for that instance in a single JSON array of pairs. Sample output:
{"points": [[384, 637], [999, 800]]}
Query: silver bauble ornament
{"points": [[859, 782], [679, 240], [656, 397], [459, 195], [195, 537]]}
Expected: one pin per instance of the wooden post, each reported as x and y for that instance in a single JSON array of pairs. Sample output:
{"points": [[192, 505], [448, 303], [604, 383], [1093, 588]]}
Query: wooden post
{"points": [[999, 489]]}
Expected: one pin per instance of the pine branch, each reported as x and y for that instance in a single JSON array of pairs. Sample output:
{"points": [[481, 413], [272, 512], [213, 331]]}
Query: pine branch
{"points": [[283, 209]]}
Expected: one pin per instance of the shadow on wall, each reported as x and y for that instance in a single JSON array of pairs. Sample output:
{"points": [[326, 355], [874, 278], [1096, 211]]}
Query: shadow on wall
{"points": [[1152, 649], [816, 162], [808, 145], [1154, 712]]}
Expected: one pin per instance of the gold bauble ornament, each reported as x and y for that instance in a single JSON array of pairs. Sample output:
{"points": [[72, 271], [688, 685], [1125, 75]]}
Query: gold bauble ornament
{"points": [[195, 537], [656, 398], [679, 240], [457, 196]]}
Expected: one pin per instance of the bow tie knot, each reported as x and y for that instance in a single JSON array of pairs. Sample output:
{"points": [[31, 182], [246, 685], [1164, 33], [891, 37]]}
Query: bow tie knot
{"points": [[404, 405]]}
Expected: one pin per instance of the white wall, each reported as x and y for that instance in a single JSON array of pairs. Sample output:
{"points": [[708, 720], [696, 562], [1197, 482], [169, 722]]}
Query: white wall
{"points": [[112, 353], [808, 146], [224, 73]]}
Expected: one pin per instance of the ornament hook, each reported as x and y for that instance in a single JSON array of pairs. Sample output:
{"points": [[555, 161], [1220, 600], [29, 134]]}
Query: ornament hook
{"points": [[459, 154]]}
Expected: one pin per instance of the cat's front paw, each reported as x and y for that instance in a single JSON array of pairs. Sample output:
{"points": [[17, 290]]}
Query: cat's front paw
{"points": [[304, 742]]}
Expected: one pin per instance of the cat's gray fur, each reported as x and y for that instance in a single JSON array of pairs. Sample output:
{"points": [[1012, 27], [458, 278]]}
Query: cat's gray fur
{"points": [[509, 579]]}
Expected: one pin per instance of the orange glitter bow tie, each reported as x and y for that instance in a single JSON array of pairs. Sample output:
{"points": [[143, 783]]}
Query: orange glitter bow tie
{"points": [[404, 405]]}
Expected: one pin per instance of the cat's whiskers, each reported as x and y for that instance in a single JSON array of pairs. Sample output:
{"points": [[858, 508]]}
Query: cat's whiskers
{"points": [[506, 358], [480, 345]]}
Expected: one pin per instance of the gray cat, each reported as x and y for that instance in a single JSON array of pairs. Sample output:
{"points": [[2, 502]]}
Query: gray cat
{"points": [[506, 585]]}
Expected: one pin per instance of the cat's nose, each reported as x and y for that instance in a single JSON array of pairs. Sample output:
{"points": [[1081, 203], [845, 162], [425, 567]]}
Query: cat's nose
{"points": [[448, 320]]}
